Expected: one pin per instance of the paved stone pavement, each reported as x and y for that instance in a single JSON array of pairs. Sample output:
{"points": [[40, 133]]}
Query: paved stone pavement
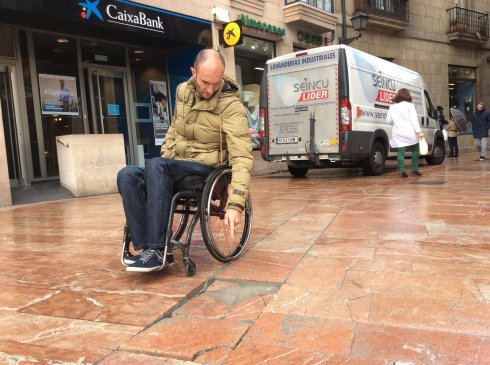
{"points": [[341, 269]]}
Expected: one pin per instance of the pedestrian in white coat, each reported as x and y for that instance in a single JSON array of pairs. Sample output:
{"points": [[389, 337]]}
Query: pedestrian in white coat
{"points": [[406, 130]]}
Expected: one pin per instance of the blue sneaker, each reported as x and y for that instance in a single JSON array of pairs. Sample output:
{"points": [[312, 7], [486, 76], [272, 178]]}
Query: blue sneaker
{"points": [[129, 260], [150, 260]]}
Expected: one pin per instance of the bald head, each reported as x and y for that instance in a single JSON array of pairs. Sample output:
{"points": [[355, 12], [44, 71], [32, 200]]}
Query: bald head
{"points": [[208, 55], [208, 71]]}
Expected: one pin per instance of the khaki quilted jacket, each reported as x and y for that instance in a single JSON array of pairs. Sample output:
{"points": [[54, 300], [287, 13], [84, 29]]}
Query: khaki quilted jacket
{"points": [[212, 132]]}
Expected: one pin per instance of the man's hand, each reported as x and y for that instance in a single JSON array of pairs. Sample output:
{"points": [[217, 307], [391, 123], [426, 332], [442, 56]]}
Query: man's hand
{"points": [[232, 218]]}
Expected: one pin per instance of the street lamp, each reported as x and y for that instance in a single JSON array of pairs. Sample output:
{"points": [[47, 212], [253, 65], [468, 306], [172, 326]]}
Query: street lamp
{"points": [[359, 22]]}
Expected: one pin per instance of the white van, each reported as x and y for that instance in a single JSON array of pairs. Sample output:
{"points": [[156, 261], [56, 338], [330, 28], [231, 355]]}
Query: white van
{"points": [[327, 107]]}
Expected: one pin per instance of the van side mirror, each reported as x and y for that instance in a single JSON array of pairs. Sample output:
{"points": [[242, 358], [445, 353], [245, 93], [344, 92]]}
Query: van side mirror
{"points": [[439, 112], [439, 116]]}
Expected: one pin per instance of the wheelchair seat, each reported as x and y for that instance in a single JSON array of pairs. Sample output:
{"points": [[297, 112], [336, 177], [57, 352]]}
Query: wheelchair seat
{"points": [[203, 199], [190, 182]]}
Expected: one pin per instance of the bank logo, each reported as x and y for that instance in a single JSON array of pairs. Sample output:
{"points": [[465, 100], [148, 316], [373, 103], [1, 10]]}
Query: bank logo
{"points": [[88, 8], [231, 34]]}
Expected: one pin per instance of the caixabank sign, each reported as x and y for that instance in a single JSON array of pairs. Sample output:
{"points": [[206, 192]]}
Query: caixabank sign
{"points": [[109, 14], [123, 13]]}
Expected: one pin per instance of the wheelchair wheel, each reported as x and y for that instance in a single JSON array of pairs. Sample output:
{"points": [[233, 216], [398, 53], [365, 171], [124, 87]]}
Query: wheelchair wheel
{"points": [[216, 235]]}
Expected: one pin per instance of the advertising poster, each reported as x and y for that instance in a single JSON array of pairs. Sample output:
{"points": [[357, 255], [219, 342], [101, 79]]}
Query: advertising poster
{"points": [[159, 106], [58, 94]]}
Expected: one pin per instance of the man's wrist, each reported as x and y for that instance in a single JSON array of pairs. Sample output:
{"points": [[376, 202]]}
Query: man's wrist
{"points": [[235, 206]]}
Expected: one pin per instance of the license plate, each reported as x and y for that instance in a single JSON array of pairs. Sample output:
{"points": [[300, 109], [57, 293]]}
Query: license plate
{"points": [[287, 140]]}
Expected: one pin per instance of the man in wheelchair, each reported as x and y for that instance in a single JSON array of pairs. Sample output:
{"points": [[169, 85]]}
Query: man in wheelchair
{"points": [[209, 128]]}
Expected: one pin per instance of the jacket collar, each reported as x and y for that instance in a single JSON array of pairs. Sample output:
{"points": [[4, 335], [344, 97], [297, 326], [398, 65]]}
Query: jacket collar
{"points": [[204, 104]]}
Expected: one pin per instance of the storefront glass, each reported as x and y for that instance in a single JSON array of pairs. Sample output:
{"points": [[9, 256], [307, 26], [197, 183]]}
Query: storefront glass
{"points": [[151, 94], [109, 103], [103, 53], [59, 90], [250, 59], [105, 84], [462, 89]]}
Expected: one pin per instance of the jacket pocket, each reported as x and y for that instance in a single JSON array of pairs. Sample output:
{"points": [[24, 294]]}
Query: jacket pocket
{"points": [[180, 148]]}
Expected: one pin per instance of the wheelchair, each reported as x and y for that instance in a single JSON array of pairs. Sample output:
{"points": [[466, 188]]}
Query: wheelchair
{"points": [[201, 199]]}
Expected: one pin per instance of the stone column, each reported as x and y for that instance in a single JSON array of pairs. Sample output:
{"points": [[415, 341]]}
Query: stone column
{"points": [[5, 195]]}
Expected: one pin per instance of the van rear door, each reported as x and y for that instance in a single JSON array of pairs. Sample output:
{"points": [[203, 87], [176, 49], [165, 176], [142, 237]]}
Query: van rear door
{"points": [[303, 92]]}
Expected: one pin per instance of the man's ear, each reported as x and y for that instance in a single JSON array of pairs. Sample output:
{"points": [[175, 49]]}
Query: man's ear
{"points": [[193, 72]]}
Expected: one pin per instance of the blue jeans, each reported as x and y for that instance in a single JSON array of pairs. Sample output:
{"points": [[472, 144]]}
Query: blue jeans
{"points": [[481, 145], [147, 197]]}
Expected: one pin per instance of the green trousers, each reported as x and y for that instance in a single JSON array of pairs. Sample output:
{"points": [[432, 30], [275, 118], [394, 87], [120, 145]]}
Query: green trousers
{"points": [[415, 157]]}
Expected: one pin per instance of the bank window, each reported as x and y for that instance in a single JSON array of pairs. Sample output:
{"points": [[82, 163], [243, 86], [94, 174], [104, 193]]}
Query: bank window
{"points": [[59, 91], [462, 89], [250, 59], [151, 100], [101, 53]]}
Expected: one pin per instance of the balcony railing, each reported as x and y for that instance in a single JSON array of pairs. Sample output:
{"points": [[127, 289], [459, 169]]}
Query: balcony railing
{"points": [[325, 5], [391, 9], [468, 21]]}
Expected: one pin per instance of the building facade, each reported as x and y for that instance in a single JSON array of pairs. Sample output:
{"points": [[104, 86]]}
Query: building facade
{"points": [[112, 66]]}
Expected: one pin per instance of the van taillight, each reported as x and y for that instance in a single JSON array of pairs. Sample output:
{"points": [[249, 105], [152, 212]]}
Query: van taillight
{"points": [[345, 115], [262, 122]]}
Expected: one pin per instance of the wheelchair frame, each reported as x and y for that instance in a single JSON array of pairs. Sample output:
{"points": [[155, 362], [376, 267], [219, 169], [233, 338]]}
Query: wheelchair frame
{"points": [[206, 204]]}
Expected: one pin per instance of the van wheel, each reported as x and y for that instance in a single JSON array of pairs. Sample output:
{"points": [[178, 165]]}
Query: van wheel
{"points": [[375, 164], [298, 171], [438, 153]]}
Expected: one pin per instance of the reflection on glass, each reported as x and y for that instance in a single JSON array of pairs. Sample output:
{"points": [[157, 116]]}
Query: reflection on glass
{"points": [[250, 59], [461, 89], [59, 61], [151, 102], [96, 52], [110, 106]]}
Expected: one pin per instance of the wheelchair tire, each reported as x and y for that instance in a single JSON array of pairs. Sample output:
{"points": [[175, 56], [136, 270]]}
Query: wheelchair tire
{"points": [[213, 208], [189, 267]]}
